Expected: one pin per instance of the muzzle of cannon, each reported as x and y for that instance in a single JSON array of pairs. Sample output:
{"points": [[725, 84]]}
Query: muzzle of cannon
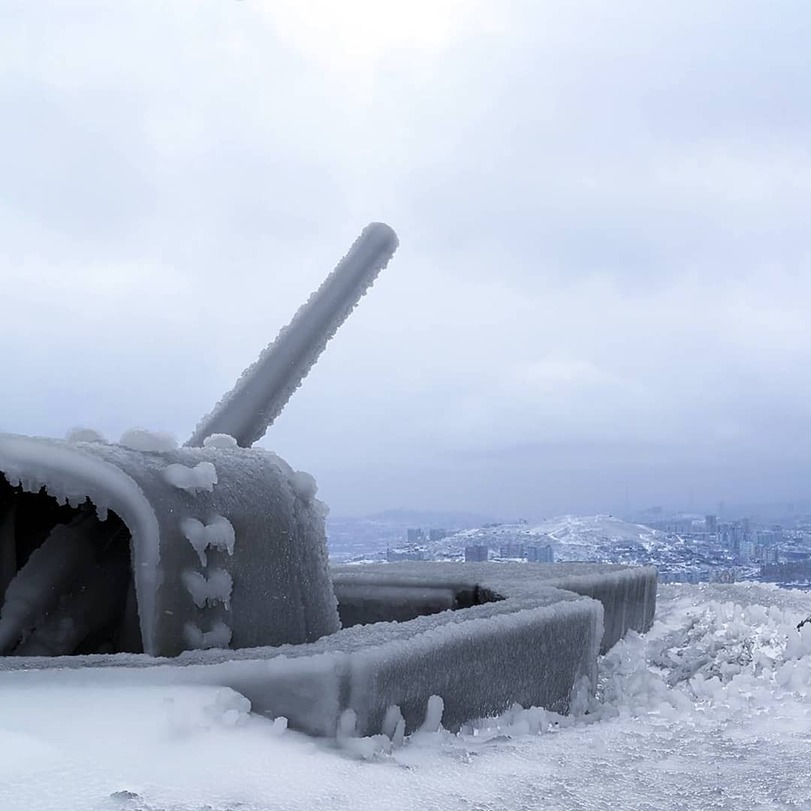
{"points": [[142, 546]]}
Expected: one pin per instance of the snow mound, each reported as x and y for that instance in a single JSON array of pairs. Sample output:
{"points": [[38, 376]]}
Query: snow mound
{"points": [[140, 439]]}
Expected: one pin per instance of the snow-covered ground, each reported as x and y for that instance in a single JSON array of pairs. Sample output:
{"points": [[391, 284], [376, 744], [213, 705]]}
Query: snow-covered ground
{"points": [[712, 709]]}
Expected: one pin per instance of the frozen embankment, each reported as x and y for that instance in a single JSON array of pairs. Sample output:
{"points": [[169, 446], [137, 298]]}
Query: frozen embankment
{"points": [[481, 637]]}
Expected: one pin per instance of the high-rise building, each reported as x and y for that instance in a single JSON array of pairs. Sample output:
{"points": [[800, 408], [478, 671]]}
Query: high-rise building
{"points": [[746, 529], [540, 554], [415, 535], [476, 554], [512, 550], [711, 524]]}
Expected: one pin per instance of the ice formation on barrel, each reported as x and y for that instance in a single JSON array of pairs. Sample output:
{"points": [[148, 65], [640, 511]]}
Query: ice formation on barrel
{"points": [[143, 546]]}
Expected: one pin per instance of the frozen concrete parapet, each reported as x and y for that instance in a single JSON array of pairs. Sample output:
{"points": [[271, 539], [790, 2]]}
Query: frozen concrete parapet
{"points": [[515, 637], [627, 593]]}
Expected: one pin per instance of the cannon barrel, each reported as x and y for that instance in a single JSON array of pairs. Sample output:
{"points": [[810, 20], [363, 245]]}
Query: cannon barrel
{"points": [[259, 396]]}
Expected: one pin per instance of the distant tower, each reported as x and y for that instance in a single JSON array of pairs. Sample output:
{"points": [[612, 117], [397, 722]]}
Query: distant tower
{"points": [[476, 554], [540, 554]]}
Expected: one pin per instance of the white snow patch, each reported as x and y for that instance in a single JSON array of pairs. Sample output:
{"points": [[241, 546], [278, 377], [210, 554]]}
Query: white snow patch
{"points": [[433, 714], [209, 590], [220, 441], [203, 476], [140, 439], [219, 636], [347, 724], [219, 534], [80, 434], [391, 721], [279, 726], [304, 485]]}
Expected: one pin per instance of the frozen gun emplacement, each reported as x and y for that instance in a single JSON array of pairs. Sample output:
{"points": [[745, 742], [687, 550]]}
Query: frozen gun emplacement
{"points": [[141, 546]]}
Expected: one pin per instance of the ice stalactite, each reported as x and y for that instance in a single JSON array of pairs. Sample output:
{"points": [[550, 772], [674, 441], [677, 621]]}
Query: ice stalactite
{"points": [[218, 534], [203, 476]]}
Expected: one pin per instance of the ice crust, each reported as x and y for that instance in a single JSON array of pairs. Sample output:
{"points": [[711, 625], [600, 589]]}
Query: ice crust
{"points": [[84, 435], [202, 476], [265, 387], [141, 439], [218, 534], [251, 525], [219, 636], [536, 646], [222, 441], [211, 589]]}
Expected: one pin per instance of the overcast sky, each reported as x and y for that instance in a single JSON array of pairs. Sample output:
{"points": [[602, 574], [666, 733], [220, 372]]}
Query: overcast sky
{"points": [[604, 280]]}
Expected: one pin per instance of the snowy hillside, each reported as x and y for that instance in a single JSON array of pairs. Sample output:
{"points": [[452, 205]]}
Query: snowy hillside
{"points": [[712, 709], [590, 538]]}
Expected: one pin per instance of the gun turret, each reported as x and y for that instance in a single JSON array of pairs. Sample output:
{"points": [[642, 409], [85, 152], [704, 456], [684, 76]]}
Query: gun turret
{"points": [[208, 545]]}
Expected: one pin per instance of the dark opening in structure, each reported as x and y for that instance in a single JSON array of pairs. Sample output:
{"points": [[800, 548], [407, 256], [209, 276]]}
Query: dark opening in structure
{"points": [[361, 603], [65, 578]]}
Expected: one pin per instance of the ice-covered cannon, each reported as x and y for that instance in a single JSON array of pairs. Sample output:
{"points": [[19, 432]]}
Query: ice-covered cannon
{"points": [[142, 546]]}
